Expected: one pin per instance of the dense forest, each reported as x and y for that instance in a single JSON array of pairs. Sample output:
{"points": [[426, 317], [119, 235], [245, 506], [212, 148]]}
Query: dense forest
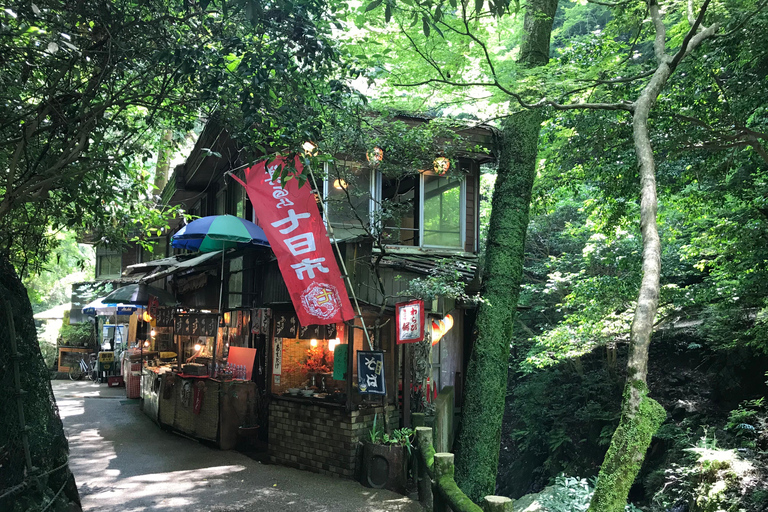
{"points": [[621, 327]]}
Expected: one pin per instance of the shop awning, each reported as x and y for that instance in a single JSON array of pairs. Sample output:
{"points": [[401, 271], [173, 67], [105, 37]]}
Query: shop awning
{"points": [[100, 308], [180, 265]]}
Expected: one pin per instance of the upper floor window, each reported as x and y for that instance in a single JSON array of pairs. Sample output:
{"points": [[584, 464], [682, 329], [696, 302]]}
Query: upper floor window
{"points": [[221, 202], [420, 210], [108, 264], [348, 196]]}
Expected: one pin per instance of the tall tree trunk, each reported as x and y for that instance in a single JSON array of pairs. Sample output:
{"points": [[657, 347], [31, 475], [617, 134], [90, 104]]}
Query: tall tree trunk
{"points": [[477, 450], [45, 444], [641, 416]]}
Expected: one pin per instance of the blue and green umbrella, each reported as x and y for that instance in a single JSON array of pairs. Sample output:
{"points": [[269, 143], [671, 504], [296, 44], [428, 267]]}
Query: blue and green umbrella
{"points": [[219, 232]]}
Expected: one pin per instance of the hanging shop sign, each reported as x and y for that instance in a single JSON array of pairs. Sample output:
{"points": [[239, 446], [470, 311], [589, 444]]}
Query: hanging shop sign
{"points": [[296, 232], [287, 326], [370, 372], [196, 325], [277, 358], [260, 321], [410, 321], [164, 317]]}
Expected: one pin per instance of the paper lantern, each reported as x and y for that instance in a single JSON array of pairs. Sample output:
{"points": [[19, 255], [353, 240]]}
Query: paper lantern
{"points": [[375, 156], [440, 327], [441, 165]]}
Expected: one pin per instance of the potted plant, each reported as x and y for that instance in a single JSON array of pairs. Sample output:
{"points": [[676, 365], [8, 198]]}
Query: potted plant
{"points": [[385, 458]]}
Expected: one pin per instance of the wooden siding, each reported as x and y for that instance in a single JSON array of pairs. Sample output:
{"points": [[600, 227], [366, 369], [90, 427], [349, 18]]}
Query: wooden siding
{"points": [[472, 182]]}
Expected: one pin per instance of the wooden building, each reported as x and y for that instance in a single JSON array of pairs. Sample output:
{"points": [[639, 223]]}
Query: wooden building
{"points": [[440, 220]]}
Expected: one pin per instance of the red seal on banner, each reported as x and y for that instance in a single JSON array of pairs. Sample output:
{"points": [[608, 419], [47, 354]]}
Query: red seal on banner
{"points": [[321, 300]]}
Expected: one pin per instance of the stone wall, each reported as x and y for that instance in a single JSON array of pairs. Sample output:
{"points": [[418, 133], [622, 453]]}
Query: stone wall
{"points": [[317, 437]]}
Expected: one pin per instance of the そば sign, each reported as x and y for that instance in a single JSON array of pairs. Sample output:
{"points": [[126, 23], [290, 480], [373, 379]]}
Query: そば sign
{"points": [[370, 372]]}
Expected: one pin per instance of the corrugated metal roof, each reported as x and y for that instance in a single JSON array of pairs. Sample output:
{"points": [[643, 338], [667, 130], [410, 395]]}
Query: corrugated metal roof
{"points": [[180, 265]]}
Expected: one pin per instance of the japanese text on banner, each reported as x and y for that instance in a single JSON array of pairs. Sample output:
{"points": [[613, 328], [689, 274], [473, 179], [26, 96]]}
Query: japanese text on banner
{"points": [[296, 232]]}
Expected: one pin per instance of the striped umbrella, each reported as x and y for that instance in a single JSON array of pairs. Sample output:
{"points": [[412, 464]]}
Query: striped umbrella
{"points": [[218, 232]]}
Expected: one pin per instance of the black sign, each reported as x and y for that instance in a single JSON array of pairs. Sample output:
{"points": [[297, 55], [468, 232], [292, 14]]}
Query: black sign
{"points": [[370, 372], [196, 325], [164, 317], [287, 326]]}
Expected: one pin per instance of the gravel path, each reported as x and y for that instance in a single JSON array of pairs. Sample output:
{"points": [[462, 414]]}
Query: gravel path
{"points": [[123, 462]]}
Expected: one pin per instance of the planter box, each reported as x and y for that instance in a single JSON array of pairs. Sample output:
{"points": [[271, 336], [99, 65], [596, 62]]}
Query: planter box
{"points": [[384, 467]]}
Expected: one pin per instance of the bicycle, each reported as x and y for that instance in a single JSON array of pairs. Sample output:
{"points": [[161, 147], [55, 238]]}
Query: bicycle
{"points": [[84, 368]]}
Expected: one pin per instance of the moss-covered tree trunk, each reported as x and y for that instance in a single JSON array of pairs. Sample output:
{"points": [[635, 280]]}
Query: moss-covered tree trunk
{"points": [[641, 416], [51, 479], [479, 440], [486, 385]]}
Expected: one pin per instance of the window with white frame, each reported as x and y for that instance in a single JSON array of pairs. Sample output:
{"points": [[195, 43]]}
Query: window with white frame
{"points": [[423, 210]]}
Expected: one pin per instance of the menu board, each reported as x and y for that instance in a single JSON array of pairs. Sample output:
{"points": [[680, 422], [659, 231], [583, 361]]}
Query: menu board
{"points": [[196, 325]]}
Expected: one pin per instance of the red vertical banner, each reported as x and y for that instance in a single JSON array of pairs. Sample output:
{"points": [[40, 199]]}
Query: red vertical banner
{"points": [[296, 232]]}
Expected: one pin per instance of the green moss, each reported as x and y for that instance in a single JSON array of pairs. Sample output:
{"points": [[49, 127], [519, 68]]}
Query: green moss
{"points": [[477, 456], [627, 451], [457, 500]]}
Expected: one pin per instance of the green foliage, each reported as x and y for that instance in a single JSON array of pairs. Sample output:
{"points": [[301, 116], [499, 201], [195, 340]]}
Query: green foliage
{"points": [[77, 335], [89, 90], [444, 280], [572, 494], [747, 421], [581, 413], [50, 353], [399, 437]]}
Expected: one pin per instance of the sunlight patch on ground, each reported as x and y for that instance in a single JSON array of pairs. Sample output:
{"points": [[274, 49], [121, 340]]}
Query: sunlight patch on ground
{"points": [[69, 408], [177, 488]]}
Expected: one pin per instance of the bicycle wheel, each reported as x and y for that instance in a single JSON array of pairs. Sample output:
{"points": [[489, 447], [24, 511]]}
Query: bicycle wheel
{"points": [[75, 373]]}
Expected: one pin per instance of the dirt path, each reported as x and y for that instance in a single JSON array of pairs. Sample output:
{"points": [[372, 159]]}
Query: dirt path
{"points": [[125, 463]]}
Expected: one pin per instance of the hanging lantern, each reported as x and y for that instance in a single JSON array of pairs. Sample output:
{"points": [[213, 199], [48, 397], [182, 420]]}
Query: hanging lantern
{"points": [[310, 148], [441, 165], [375, 156], [339, 184], [146, 316], [440, 327]]}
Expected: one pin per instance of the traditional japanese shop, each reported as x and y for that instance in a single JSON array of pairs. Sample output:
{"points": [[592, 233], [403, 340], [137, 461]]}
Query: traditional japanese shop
{"points": [[326, 389], [192, 394]]}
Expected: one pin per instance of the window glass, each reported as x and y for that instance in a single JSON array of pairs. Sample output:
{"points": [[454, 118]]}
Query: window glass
{"points": [[221, 202], [442, 211], [159, 248], [109, 265], [349, 192], [398, 210], [239, 201]]}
